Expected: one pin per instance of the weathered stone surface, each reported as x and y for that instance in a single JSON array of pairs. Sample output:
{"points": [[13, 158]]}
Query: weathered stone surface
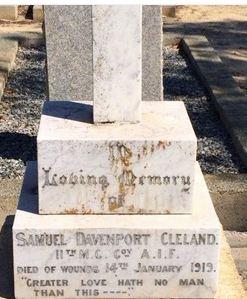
{"points": [[68, 31], [116, 256], [8, 12], [130, 168], [169, 11], [229, 193], [38, 13], [8, 50], [152, 59], [117, 63], [75, 68]]}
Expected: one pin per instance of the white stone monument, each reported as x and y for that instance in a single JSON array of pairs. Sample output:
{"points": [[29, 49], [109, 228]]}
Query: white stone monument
{"points": [[162, 238], [117, 63]]}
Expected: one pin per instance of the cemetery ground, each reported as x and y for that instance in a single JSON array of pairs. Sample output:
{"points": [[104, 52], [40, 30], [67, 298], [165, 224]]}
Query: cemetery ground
{"points": [[20, 111]]}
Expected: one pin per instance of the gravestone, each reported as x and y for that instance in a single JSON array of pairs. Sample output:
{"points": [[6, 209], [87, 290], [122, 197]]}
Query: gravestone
{"points": [[68, 31], [152, 58], [162, 238], [9, 12], [68, 35]]}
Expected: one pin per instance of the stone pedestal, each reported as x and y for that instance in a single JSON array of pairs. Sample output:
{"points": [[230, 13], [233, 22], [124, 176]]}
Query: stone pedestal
{"points": [[117, 256], [129, 168], [117, 63]]}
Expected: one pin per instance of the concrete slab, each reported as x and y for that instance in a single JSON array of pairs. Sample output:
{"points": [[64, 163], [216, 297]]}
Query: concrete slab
{"points": [[210, 20], [9, 12], [238, 244], [229, 193], [8, 49], [229, 99], [240, 258], [230, 284], [236, 239]]}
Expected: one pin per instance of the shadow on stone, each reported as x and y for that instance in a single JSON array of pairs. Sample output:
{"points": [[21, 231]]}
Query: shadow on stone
{"points": [[26, 38], [28, 201], [69, 110], [6, 259]]}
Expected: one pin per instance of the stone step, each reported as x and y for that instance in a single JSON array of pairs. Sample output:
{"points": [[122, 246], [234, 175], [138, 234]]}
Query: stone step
{"points": [[125, 256], [229, 192], [240, 258]]}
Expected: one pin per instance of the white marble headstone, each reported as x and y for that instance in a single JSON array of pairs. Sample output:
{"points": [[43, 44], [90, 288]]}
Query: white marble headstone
{"points": [[117, 31]]}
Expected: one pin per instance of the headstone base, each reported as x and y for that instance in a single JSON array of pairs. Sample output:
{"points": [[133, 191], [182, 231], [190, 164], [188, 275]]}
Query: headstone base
{"points": [[115, 168], [115, 256]]}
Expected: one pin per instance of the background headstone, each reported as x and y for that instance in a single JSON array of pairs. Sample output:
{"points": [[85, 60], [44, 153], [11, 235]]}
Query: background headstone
{"points": [[68, 31], [152, 60], [38, 13], [9, 12]]}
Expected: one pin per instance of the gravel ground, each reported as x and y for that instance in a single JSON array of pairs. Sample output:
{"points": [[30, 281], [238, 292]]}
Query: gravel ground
{"points": [[215, 152], [20, 111], [25, 92]]}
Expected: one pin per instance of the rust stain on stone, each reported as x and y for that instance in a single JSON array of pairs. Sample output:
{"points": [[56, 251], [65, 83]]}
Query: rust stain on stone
{"points": [[113, 206], [163, 144], [126, 156], [131, 208], [121, 188], [71, 211], [102, 200], [85, 211], [120, 157], [144, 150], [119, 153], [186, 190]]}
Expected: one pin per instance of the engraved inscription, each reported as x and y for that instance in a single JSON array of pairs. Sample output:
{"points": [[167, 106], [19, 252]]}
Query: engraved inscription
{"points": [[127, 178], [55, 180], [114, 264]]}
